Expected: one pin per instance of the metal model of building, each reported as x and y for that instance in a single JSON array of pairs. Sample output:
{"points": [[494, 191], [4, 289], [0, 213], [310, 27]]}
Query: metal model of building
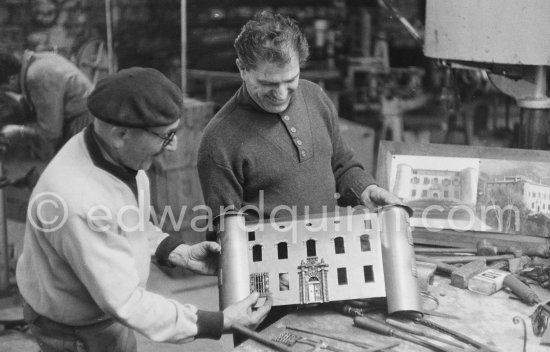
{"points": [[359, 254]]}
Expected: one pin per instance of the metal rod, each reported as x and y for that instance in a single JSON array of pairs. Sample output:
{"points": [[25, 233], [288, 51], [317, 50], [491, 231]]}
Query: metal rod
{"points": [[420, 332], [4, 255], [383, 328], [183, 58], [408, 26], [455, 334], [109, 29]]}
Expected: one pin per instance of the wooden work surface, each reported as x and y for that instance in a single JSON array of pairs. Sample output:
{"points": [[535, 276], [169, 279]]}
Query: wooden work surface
{"points": [[487, 319]]}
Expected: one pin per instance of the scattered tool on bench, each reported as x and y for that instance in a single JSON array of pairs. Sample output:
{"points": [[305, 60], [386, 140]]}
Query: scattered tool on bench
{"points": [[459, 275], [346, 340], [455, 334], [259, 338], [383, 328], [469, 258], [290, 339], [492, 280], [420, 332], [486, 248]]}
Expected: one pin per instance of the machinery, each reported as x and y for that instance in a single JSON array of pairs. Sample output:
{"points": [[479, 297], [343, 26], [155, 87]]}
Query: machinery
{"points": [[510, 40]]}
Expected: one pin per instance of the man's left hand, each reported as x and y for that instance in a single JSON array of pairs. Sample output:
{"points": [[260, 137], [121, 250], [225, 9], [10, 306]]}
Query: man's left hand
{"points": [[374, 196], [200, 258]]}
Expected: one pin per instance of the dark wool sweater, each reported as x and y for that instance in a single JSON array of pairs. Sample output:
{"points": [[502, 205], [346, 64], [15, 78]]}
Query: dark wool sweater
{"points": [[297, 158]]}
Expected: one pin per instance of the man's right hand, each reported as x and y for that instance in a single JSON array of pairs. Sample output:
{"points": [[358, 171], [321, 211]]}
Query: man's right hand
{"points": [[243, 312]]}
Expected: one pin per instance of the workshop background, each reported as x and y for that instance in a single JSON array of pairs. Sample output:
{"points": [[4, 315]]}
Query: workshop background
{"points": [[370, 64]]}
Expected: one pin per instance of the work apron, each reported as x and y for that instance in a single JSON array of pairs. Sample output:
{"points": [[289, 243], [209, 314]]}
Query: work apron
{"points": [[106, 335]]}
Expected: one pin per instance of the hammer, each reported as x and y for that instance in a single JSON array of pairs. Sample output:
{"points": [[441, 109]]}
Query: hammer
{"points": [[459, 275]]}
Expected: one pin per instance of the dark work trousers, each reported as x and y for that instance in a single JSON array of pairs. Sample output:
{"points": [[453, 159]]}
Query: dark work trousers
{"points": [[104, 336]]}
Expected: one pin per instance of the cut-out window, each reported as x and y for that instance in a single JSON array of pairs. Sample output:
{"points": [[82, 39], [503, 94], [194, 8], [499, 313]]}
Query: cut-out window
{"points": [[259, 282], [282, 250], [368, 225], [339, 245], [283, 282], [311, 248], [257, 253], [365, 243], [368, 273], [342, 276], [252, 236]]}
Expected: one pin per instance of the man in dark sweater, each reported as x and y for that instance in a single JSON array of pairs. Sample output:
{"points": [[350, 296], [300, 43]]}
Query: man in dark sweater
{"points": [[275, 147]]}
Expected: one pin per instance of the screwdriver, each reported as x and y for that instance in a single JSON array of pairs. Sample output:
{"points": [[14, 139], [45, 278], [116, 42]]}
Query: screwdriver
{"points": [[383, 328], [420, 332]]}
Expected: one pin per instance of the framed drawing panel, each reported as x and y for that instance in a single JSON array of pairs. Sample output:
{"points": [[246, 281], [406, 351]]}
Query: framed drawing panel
{"points": [[469, 188]]}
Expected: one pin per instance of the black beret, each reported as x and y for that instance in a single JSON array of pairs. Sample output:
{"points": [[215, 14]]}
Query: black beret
{"points": [[136, 97]]}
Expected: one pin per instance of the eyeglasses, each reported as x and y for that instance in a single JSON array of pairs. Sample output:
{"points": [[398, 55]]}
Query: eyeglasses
{"points": [[166, 140]]}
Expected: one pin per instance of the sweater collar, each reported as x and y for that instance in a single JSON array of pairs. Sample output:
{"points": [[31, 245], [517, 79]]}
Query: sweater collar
{"points": [[124, 174]]}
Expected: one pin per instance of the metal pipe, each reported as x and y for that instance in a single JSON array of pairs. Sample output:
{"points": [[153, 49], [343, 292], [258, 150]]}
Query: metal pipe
{"points": [[183, 58], [540, 83], [109, 29], [4, 255], [233, 273], [402, 289]]}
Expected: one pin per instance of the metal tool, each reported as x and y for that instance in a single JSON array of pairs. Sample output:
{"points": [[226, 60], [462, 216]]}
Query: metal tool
{"points": [[414, 330], [259, 338], [469, 258], [290, 339], [455, 334], [408, 26], [440, 314], [346, 340], [383, 328]]}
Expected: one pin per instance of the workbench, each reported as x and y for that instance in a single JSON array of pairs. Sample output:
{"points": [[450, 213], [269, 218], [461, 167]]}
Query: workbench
{"points": [[487, 319]]}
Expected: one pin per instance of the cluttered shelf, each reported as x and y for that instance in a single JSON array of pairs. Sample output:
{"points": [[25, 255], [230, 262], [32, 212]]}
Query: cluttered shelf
{"points": [[494, 322]]}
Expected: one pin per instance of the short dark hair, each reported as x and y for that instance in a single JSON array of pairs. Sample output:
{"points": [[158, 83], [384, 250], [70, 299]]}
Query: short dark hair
{"points": [[272, 38], [9, 66]]}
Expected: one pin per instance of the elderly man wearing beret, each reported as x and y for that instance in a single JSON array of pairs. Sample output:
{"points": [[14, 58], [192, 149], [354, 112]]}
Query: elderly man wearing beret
{"points": [[88, 239]]}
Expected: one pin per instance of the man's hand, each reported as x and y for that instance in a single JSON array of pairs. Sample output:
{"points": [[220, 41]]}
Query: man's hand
{"points": [[374, 196], [200, 258], [243, 312]]}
